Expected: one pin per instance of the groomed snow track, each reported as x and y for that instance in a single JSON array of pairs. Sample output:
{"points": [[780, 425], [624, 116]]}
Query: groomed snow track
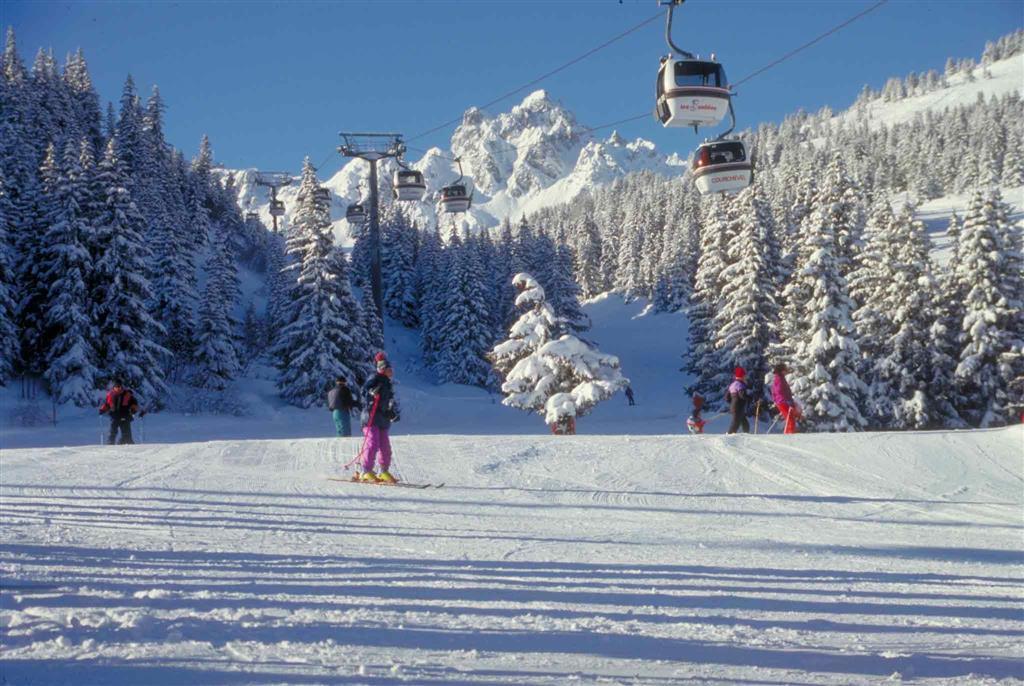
{"points": [[547, 560]]}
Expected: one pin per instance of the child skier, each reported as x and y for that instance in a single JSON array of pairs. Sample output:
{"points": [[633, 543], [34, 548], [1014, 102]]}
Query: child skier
{"points": [[694, 422], [380, 410]]}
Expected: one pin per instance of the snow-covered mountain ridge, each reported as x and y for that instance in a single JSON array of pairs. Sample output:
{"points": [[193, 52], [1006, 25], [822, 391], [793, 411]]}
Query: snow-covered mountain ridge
{"points": [[533, 156], [538, 155]]}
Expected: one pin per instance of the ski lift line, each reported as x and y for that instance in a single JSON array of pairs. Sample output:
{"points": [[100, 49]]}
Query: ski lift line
{"points": [[540, 78], [765, 68], [808, 44]]}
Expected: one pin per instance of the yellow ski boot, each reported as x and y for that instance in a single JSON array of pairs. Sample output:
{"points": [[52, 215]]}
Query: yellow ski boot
{"points": [[368, 477], [385, 477]]}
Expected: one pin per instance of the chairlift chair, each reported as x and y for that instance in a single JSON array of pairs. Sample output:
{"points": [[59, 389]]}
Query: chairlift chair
{"points": [[356, 214], [251, 216], [690, 91], [454, 197], [276, 208], [409, 184], [722, 166]]}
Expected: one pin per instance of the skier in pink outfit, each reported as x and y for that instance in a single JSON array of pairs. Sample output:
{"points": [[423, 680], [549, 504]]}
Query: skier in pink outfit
{"points": [[381, 410], [782, 396]]}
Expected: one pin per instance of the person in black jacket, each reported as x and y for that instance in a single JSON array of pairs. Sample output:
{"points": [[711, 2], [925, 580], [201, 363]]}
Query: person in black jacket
{"points": [[341, 403], [736, 396], [122, 406], [379, 411]]}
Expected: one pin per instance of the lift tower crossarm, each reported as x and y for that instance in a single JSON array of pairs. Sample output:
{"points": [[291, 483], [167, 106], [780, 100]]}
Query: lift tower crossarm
{"points": [[373, 147]]}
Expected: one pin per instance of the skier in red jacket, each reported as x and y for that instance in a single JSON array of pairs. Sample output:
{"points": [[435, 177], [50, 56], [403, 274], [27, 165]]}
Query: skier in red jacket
{"points": [[122, 406]]}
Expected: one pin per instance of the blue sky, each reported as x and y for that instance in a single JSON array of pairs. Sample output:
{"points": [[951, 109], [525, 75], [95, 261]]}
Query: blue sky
{"points": [[272, 82]]}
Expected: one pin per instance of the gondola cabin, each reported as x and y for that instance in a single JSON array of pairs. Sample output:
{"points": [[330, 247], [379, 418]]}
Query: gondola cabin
{"points": [[323, 195], [276, 208], [722, 167], [356, 214], [409, 184], [454, 198], [691, 92]]}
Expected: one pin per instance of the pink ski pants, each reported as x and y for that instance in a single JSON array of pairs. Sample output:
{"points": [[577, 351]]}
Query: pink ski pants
{"points": [[377, 440]]}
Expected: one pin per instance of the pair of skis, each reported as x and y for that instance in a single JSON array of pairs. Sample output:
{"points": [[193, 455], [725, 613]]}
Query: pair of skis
{"points": [[397, 484]]}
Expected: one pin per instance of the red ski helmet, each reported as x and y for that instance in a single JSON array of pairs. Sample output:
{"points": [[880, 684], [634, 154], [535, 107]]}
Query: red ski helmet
{"points": [[739, 372]]}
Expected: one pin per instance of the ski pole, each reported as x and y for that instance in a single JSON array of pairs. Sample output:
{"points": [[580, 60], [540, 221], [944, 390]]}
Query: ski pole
{"points": [[774, 422], [757, 415]]}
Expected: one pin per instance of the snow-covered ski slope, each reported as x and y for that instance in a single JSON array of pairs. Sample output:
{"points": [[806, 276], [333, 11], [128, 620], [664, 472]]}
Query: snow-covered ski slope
{"points": [[814, 559]]}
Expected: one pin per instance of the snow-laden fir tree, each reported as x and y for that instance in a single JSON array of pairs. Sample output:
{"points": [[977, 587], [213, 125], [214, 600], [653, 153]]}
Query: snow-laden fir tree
{"points": [[986, 280], [318, 342], [8, 312], [216, 356], [430, 287], [566, 301], [903, 366], [825, 353], [703, 360], [69, 334], [540, 372], [398, 264], [29, 246], [127, 333], [744, 323], [464, 334], [536, 326]]}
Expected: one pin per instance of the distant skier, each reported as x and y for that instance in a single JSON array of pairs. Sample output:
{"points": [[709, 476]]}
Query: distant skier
{"points": [[736, 397], [629, 396], [782, 396], [122, 406], [341, 403], [695, 423], [379, 411]]}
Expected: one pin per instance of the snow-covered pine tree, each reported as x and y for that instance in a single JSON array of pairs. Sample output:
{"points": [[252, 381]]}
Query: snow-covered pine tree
{"points": [[985, 334], [318, 342], [566, 301], [398, 264], [703, 362], [33, 288], [464, 334], [128, 334], [8, 311], [430, 261], [538, 369], [588, 258], [869, 285], [535, 327], [825, 353], [216, 354], [744, 323], [68, 333], [904, 365]]}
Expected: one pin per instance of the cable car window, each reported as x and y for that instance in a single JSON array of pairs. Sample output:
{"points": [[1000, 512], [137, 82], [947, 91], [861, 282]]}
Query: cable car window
{"points": [[696, 73], [727, 152]]}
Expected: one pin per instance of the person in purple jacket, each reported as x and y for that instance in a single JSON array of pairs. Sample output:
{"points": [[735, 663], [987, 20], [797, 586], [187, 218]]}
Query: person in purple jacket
{"points": [[782, 396], [736, 396]]}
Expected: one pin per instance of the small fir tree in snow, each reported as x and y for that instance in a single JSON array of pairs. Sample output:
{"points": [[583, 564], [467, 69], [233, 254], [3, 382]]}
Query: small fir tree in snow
{"points": [[127, 332], [319, 341], [69, 333], [544, 371]]}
